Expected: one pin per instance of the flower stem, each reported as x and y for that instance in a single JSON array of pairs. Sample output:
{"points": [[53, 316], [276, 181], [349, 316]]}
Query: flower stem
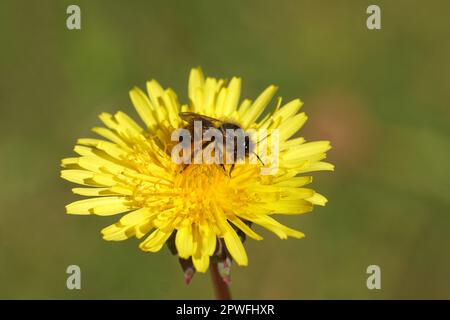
{"points": [[221, 289]]}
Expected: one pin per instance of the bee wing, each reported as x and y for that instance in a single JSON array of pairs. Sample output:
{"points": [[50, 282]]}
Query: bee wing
{"points": [[192, 116]]}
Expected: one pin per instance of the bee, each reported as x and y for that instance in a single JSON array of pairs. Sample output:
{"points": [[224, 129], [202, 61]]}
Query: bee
{"points": [[230, 131]]}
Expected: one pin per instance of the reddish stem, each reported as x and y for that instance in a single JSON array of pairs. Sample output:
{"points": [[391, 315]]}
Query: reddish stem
{"points": [[220, 287]]}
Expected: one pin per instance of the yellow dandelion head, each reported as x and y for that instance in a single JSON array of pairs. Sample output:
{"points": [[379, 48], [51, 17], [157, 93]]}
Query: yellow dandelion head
{"points": [[198, 209]]}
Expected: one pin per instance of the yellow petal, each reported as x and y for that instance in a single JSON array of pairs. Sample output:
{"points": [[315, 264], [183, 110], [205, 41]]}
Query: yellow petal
{"points": [[136, 217], [109, 148], [317, 166], [172, 106], [235, 247], [123, 190], [79, 176], [106, 180], [155, 241], [208, 239], [117, 232], [143, 107], [289, 109], [196, 84], [201, 262], [211, 90], [243, 107], [155, 91], [289, 206], [184, 242], [110, 135], [93, 192], [103, 206], [127, 125], [70, 163], [245, 228], [294, 182], [232, 98], [142, 229], [258, 106], [292, 143], [306, 150], [280, 230], [269, 121], [291, 126], [317, 199], [108, 120], [216, 110]]}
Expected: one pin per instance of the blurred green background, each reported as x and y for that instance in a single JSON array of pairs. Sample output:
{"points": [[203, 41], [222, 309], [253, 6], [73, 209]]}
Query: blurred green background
{"points": [[381, 97]]}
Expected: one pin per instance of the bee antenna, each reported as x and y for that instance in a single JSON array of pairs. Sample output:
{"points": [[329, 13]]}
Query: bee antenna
{"points": [[267, 135], [259, 158]]}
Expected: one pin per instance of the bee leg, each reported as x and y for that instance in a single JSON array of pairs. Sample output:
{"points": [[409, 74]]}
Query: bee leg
{"points": [[223, 168], [231, 169], [184, 167]]}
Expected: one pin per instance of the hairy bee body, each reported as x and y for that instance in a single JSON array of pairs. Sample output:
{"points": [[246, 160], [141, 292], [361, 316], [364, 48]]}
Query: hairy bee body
{"points": [[233, 140]]}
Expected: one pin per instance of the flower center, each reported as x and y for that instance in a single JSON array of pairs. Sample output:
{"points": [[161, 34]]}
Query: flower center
{"points": [[202, 187]]}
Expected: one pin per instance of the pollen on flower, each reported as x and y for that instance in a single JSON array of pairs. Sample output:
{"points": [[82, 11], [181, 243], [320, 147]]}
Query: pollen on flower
{"points": [[203, 188]]}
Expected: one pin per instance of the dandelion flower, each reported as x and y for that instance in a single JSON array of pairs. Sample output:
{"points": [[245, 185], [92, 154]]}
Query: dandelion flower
{"points": [[201, 212]]}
